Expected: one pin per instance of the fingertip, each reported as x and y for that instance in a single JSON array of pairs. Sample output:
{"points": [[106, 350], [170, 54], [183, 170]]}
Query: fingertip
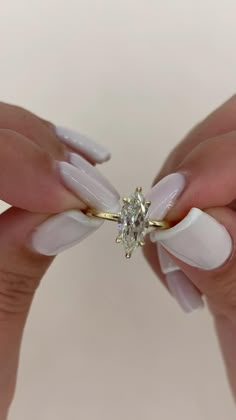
{"points": [[199, 240], [83, 144], [63, 231], [186, 294]]}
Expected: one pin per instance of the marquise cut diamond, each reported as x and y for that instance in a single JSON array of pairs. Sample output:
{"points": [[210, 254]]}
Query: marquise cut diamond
{"points": [[133, 222]]}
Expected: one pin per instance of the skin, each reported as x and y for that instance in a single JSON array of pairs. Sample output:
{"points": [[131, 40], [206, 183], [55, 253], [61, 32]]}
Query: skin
{"points": [[30, 183], [207, 157]]}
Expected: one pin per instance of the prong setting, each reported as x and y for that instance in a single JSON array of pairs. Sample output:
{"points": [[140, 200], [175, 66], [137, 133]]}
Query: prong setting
{"points": [[118, 239], [133, 223]]}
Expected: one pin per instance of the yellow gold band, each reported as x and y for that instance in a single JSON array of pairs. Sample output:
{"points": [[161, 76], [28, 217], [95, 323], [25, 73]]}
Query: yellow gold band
{"points": [[115, 217], [161, 224]]}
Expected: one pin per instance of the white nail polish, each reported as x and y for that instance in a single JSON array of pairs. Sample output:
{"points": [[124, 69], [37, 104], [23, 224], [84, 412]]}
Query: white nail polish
{"points": [[83, 144], [185, 293], [179, 285], [82, 164], [166, 263], [199, 240], [62, 231], [89, 187], [164, 194]]}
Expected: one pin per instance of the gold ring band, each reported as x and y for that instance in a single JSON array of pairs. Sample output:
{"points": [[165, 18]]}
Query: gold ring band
{"points": [[115, 217]]}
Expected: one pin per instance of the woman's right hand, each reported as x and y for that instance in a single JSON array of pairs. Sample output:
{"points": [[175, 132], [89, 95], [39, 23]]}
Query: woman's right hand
{"points": [[47, 175], [196, 190]]}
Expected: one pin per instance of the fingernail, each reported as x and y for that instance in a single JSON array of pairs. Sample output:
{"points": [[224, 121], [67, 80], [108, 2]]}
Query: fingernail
{"points": [[62, 231], [199, 240], [90, 170], [164, 195], [89, 187], [179, 285], [166, 263], [83, 144], [185, 293]]}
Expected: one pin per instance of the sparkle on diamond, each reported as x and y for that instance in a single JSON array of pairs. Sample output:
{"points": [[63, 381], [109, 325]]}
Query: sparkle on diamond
{"points": [[133, 222]]}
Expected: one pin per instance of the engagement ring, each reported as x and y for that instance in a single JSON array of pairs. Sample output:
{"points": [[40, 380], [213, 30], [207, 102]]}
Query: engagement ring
{"points": [[133, 221]]}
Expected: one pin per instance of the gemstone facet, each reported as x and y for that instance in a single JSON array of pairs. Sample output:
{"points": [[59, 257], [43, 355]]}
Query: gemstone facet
{"points": [[133, 223]]}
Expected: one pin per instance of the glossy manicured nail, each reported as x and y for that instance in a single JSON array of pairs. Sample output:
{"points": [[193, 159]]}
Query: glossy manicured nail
{"points": [[164, 195], [194, 239], [166, 263], [83, 144], [90, 170], [185, 293], [89, 187], [179, 285], [63, 231]]}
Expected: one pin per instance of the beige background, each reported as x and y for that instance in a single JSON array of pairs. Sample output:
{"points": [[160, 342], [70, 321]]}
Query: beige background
{"points": [[105, 341]]}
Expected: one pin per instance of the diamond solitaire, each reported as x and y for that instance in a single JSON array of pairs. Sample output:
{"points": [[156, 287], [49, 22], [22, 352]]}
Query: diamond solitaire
{"points": [[133, 221]]}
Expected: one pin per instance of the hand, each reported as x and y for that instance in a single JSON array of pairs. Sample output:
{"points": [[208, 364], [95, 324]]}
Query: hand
{"points": [[196, 191], [47, 186]]}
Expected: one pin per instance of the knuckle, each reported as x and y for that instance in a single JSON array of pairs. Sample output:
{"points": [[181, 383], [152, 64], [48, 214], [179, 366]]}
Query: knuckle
{"points": [[229, 299], [16, 292], [41, 132], [59, 150], [21, 116], [223, 293]]}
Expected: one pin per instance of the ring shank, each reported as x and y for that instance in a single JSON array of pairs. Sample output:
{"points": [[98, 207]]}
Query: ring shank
{"points": [[161, 224], [115, 217]]}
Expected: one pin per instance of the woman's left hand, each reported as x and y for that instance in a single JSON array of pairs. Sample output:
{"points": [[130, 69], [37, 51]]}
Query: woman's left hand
{"points": [[47, 186]]}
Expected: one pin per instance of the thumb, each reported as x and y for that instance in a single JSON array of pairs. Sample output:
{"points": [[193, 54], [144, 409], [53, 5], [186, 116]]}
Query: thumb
{"points": [[201, 254], [198, 240], [202, 246], [21, 269], [20, 274], [199, 258]]}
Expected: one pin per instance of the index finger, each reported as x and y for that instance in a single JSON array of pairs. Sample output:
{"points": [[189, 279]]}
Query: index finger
{"points": [[219, 122], [29, 178]]}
